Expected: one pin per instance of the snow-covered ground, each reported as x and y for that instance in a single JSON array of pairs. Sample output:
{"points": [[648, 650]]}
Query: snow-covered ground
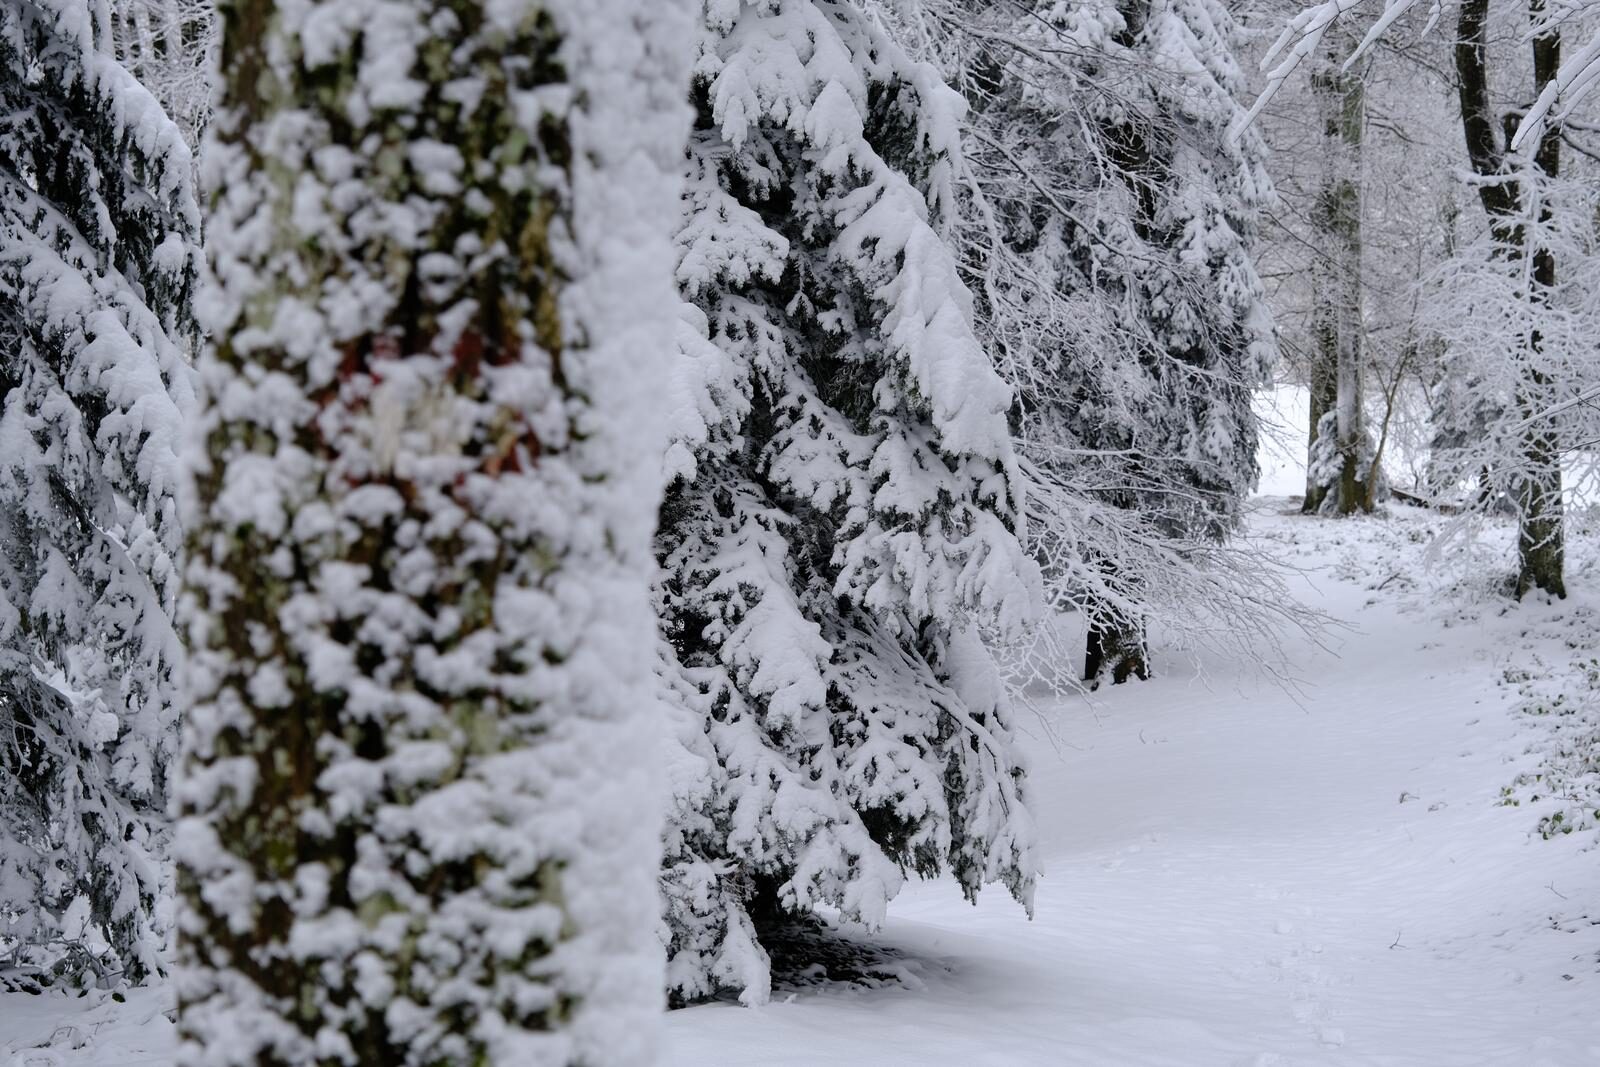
{"points": [[1283, 415], [1238, 875], [1235, 874], [58, 1031]]}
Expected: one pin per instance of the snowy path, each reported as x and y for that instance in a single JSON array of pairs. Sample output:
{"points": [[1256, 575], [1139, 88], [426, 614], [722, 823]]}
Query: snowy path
{"points": [[1232, 878]]}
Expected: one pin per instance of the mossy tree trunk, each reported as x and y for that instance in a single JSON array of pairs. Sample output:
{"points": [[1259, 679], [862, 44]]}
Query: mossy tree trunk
{"points": [[418, 824]]}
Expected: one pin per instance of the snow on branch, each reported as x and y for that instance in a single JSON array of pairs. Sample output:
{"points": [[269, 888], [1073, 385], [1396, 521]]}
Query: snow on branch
{"points": [[1575, 80], [1577, 77], [1301, 37]]}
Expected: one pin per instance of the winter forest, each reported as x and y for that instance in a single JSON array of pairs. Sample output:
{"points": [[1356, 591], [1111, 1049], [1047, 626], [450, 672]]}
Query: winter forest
{"points": [[607, 533]]}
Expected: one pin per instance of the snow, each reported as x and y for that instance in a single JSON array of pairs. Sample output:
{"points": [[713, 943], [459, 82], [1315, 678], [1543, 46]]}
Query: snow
{"points": [[1235, 874], [1240, 875], [53, 1031], [1283, 414]]}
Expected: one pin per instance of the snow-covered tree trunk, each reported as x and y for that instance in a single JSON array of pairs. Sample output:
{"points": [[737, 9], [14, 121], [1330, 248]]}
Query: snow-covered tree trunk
{"points": [[1540, 542], [1322, 385], [98, 254], [1171, 196], [1115, 639], [1338, 467], [420, 820], [844, 497], [1114, 649], [1504, 194]]}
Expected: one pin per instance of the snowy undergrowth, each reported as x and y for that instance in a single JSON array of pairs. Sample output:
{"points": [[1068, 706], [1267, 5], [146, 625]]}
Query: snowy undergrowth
{"points": [[1565, 699], [132, 1029], [1451, 572], [1557, 691]]}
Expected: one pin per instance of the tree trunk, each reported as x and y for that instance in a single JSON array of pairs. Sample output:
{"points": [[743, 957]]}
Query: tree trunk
{"points": [[1115, 648], [1540, 547], [1540, 551], [1324, 398], [1337, 312], [418, 824]]}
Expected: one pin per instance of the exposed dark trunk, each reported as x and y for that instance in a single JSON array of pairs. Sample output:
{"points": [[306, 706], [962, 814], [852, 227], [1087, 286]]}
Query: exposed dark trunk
{"points": [[1540, 550], [1540, 547], [1115, 649]]}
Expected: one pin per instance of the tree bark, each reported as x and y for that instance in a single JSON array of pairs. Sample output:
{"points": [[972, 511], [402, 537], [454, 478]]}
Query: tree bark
{"points": [[1540, 550], [1540, 547], [416, 828], [1115, 648], [1336, 379]]}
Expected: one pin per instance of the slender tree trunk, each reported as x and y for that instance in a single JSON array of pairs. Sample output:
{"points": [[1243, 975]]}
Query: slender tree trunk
{"points": [[1540, 547], [1540, 551], [1338, 317]]}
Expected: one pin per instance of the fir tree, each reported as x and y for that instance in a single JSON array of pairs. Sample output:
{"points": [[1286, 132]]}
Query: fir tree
{"points": [[842, 512], [1110, 242], [98, 232], [419, 820]]}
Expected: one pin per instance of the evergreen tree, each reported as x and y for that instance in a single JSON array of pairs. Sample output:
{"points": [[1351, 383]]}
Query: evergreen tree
{"points": [[419, 820], [1111, 244], [98, 253], [842, 511]]}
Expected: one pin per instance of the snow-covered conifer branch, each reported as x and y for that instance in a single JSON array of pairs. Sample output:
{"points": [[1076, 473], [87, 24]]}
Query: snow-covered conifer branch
{"points": [[846, 504], [99, 236]]}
